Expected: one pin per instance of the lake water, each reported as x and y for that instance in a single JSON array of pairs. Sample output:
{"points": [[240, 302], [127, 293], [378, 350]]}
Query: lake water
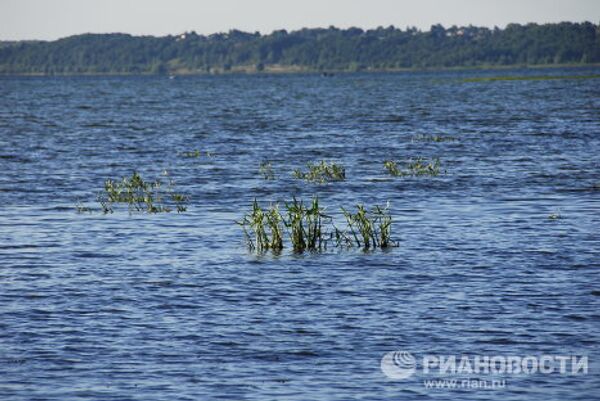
{"points": [[175, 307]]}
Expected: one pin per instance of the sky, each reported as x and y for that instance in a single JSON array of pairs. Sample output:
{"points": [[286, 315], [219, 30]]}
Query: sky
{"points": [[53, 19]]}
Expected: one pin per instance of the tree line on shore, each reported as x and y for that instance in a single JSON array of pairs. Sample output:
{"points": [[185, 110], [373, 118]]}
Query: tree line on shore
{"points": [[320, 49]]}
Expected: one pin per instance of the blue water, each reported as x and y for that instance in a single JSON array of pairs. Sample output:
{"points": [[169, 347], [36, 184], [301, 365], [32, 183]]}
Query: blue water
{"points": [[174, 307]]}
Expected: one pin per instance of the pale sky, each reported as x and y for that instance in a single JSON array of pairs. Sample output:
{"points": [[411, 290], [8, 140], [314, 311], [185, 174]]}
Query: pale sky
{"points": [[53, 19]]}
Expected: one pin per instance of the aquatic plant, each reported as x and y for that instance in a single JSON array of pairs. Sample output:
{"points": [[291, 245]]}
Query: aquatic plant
{"points": [[417, 167], [81, 208], [305, 225], [141, 196], [266, 170], [366, 229], [180, 201], [392, 168], [421, 166], [263, 228], [309, 228], [322, 172]]}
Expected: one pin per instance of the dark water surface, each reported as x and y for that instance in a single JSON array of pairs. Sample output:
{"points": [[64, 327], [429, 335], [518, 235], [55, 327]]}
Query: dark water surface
{"points": [[173, 306]]}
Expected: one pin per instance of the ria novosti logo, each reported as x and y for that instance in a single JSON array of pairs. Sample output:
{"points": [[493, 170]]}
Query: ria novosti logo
{"points": [[398, 365]]}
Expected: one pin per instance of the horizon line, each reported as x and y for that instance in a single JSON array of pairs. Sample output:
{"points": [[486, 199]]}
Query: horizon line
{"points": [[292, 30]]}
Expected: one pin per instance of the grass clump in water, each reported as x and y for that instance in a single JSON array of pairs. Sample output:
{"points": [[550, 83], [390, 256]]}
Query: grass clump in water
{"points": [[310, 229], [322, 172], [367, 229], [392, 168], [141, 196], [417, 167], [305, 225], [81, 208], [263, 228], [266, 170]]}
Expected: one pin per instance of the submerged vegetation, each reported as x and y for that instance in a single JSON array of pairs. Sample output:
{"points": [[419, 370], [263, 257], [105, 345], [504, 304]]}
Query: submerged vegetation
{"points": [[417, 167], [81, 208], [322, 172], [266, 170], [141, 196], [309, 228]]}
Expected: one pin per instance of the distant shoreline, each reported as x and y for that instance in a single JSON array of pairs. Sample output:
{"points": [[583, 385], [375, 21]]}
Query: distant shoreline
{"points": [[310, 51], [299, 70]]}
